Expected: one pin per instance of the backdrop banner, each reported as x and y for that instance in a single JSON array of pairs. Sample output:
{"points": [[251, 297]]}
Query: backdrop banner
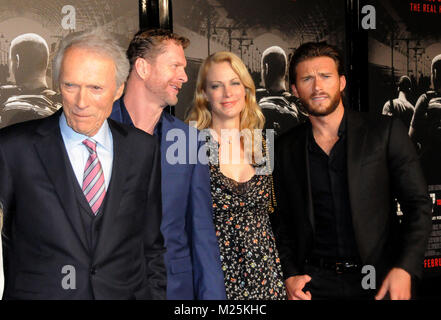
{"points": [[404, 80], [29, 35], [263, 34]]}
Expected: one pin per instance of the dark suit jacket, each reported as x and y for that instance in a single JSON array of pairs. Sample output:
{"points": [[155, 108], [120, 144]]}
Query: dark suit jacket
{"points": [[382, 164], [43, 227], [192, 259]]}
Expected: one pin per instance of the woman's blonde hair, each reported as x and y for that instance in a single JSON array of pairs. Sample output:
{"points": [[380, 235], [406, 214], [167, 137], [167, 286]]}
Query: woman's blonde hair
{"points": [[251, 117]]}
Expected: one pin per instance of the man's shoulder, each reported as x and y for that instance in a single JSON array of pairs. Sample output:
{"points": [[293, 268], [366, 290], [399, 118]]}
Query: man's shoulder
{"points": [[170, 122], [174, 122], [407, 105], [297, 132], [23, 131], [368, 118], [387, 104], [378, 125], [424, 99]]}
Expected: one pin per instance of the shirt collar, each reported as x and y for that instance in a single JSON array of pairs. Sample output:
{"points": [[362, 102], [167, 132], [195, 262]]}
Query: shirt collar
{"points": [[342, 127], [158, 128], [73, 138], [125, 118], [341, 132]]}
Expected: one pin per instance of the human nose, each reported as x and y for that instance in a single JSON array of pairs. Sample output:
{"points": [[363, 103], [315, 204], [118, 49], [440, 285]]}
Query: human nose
{"points": [[318, 85], [227, 91], [183, 76], [81, 98]]}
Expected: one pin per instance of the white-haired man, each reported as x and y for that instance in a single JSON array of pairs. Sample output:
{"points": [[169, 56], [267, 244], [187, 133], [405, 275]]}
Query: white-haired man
{"points": [[80, 193]]}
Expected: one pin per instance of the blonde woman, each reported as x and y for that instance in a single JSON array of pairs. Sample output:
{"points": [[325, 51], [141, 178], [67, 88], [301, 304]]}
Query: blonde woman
{"points": [[225, 103]]}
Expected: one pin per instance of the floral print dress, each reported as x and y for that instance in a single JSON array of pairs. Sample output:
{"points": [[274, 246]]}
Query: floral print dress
{"points": [[249, 256]]}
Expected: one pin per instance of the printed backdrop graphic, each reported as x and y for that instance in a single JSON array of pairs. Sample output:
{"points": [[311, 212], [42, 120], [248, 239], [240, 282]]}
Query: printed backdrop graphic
{"points": [[252, 30], [404, 62], [30, 32], [404, 71]]}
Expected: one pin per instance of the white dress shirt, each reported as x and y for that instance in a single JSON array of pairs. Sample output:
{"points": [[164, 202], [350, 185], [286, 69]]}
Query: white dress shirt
{"points": [[78, 153]]}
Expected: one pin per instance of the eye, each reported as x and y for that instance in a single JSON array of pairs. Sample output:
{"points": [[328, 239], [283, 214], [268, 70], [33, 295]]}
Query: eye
{"points": [[214, 86], [68, 86], [236, 83], [96, 88]]}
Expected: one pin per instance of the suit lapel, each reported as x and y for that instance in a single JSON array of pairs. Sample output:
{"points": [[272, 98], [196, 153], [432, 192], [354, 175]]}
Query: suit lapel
{"points": [[121, 161], [356, 140], [356, 146], [54, 158], [307, 183], [166, 125]]}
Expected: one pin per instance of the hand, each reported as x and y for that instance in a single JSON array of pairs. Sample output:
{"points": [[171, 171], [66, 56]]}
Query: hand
{"points": [[397, 283], [294, 287]]}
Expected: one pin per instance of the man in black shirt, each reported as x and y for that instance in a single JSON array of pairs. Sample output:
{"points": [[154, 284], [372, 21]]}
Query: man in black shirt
{"points": [[335, 210], [334, 234]]}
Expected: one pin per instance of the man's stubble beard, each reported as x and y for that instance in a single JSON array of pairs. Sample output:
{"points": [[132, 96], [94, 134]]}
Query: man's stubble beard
{"points": [[162, 95], [335, 101]]}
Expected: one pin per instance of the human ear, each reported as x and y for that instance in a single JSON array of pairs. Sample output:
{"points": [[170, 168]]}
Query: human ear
{"points": [[142, 68]]}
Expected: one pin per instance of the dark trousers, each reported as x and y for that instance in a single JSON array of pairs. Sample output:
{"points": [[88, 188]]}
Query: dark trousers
{"points": [[328, 285]]}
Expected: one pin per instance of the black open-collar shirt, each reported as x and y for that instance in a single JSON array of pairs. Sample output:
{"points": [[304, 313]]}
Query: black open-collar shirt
{"points": [[334, 235]]}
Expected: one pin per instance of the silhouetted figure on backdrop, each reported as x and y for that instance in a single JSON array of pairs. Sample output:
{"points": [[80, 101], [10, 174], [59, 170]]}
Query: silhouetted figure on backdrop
{"points": [[401, 107], [30, 98], [4, 73], [279, 107], [425, 128]]}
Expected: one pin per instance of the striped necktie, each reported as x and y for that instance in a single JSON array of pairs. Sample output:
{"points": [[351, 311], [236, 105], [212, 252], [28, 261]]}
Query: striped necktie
{"points": [[93, 178]]}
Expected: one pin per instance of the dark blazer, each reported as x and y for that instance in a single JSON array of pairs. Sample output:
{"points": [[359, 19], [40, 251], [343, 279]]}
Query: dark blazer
{"points": [[192, 259], [382, 165], [45, 239]]}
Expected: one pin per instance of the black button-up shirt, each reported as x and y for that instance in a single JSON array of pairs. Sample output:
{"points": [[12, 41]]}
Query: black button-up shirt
{"points": [[334, 235]]}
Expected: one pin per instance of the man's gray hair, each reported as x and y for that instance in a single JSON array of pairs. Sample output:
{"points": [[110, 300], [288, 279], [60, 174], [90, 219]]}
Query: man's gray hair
{"points": [[99, 41]]}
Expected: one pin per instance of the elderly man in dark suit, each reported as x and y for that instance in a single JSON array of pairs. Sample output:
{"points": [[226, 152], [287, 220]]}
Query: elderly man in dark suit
{"points": [[336, 178], [80, 193]]}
